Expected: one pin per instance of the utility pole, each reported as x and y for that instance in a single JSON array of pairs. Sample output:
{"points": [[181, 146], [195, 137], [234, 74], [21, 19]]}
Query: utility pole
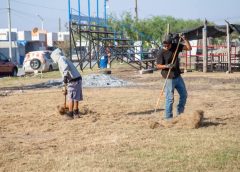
{"points": [[168, 28], [136, 10], [69, 28], [228, 48], [205, 48], [136, 15], [59, 25], [9, 30]]}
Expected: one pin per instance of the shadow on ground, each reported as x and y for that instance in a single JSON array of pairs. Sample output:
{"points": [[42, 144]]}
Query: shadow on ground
{"points": [[147, 112], [208, 123]]}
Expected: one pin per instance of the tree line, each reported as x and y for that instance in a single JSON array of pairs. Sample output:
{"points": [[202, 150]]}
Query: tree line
{"points": [[149, 29]]}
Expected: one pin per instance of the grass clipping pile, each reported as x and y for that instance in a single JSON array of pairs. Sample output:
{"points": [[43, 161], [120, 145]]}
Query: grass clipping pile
{"points": [[189, 121], [61, 110]]}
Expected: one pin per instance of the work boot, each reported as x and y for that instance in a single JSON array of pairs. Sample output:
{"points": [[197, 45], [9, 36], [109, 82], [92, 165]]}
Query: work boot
{"points": [[69, 115], [76, 113]]}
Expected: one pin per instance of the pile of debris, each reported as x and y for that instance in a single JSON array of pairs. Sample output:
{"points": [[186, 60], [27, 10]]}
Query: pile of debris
{"points": [[190, 121]]}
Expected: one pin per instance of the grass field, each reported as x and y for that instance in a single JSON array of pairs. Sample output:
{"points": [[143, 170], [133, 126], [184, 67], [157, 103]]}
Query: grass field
{"points": [[113, 133]]}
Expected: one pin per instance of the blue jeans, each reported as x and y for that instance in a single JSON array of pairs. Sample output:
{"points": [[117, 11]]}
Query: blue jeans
{"points": [[171, 84]]}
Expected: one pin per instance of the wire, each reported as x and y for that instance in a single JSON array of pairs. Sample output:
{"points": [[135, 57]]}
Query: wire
{"points": [[223, 19], [37, 5], [30, 14], [23, 13], [27, 16], [75, 10], [20, 15]]}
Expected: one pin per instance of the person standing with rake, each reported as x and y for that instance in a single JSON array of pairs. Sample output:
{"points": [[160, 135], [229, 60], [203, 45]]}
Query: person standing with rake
{"points": [[168, 62]]}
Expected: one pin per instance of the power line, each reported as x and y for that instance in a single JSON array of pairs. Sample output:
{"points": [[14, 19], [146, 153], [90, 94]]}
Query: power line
{"points": [[30, 14], [223, 20], [2, 11], [27, 16], [37, 5], [21, 14]]}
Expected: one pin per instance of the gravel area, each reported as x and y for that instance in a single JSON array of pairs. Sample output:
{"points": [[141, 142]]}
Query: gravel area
{"points": [[103, 80], [89, 81]]}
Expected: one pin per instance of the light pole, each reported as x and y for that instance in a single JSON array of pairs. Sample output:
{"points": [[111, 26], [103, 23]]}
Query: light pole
{"points": [[42, 20]]}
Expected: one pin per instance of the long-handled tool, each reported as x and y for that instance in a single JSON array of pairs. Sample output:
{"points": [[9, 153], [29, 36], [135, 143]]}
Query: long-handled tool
{"points": [[161, 92]]}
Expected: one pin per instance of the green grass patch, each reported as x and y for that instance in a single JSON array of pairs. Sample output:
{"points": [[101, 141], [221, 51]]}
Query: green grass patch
{"points": [[224, 158], [28, 79]]}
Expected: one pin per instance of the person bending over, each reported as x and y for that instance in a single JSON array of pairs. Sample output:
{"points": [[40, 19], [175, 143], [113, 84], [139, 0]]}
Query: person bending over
{"points": [[73, 80]]}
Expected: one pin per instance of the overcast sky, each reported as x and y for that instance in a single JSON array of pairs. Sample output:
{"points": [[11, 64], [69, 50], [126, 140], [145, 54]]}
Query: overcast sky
{"points": [[24, 12]]}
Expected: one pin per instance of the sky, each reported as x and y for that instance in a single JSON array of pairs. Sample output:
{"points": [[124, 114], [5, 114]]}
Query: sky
{"points": [[27, 14]]}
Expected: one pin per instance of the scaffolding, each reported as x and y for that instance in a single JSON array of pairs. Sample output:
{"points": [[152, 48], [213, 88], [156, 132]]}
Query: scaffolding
{"points": [[91, 38]]}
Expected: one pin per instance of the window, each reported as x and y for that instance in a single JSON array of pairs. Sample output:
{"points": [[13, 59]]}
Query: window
{"points": [[47, 55], [3, 58]]}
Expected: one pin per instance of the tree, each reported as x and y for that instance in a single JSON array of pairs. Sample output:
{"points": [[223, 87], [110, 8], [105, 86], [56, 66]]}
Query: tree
{"points": [[153, 28]]}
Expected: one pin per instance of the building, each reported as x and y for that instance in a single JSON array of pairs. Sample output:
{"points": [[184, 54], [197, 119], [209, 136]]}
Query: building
{"points": [[26, 41]]}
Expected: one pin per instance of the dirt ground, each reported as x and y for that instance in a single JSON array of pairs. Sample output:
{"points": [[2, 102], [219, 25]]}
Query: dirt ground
{"points": [[114, 131]]}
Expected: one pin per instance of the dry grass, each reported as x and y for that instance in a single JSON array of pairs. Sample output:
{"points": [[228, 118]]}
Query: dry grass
{"points": [[190, 121], [34, 79], [28, 79], [113, 133]]}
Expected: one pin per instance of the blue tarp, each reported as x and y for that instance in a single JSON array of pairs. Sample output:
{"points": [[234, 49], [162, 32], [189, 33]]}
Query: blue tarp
{"points": [[23, 43]]}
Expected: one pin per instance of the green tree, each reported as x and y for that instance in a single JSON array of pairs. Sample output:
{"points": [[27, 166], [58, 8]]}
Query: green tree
{"points": [[151, 29]]}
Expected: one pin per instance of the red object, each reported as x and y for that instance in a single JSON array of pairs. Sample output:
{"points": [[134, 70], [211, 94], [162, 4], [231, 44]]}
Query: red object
{"points": [[7, 67]]}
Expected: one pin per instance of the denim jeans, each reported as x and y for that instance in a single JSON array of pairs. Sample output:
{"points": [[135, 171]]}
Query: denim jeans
{"points": [[171, 84]]}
